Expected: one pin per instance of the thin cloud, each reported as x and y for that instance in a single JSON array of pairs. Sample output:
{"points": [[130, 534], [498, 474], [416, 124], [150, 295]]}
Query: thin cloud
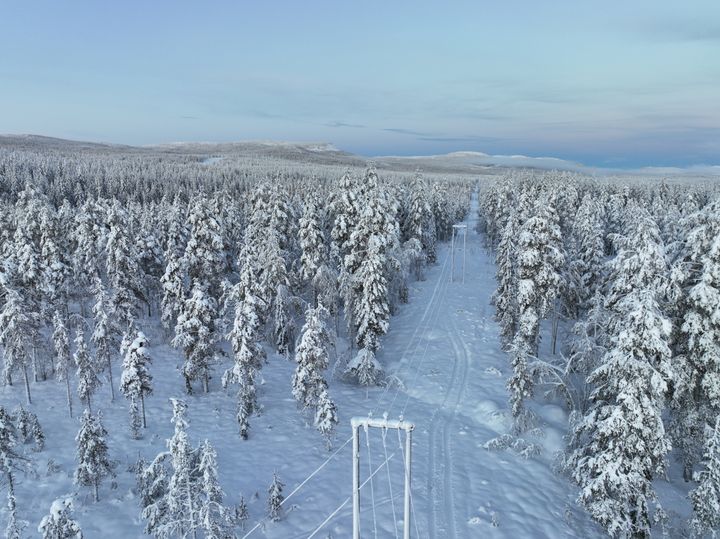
{"points": [[410, 132], [345, 124]]}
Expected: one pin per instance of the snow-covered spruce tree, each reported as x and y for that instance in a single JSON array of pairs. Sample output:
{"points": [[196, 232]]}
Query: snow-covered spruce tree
{"points": [[59, 523], [275, 287], [372, 314], [8, 441], [520, 384], [325, 416], [214, 517], [104, 332], [589, 249], [88, 381], [136, 380], [152, 486], [282, 218], [196, 334], [621, 442], [420, 222], [123, 271], [247, 350], [241, 513], [505, 296], [18, 335], [369, 223], [312, 359], [92, 453], [28, 428], [697, 393], [275, 499], [345, 209], [284, 305], [57, 270], [441, 212], [184, 490], [691, 273], [705, 498], [61, 342], [639, 264], [172, 283], [312, 242], [29, 275], [87, 238], [204, 258], [539, 261]]}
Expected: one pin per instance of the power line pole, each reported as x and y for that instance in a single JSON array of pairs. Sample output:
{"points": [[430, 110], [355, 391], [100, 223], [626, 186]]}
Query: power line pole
{"points": [[382, 423], [456, 231]]}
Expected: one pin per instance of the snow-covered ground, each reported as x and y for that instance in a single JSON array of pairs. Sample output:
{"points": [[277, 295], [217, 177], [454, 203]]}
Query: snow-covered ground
{"points": [[442, 349]]}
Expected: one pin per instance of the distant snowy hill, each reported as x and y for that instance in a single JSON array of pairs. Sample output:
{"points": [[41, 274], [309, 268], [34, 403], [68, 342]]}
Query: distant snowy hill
{"points": [[477, 161], [464, 162]]}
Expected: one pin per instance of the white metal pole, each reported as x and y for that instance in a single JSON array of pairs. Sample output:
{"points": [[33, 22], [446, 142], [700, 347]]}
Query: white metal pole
{"points": [[452, 255], [408, 448], [464, 243], [356, 482]]}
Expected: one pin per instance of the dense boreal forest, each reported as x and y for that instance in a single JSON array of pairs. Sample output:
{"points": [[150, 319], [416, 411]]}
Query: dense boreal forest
{"points": [[621, 281], [607, 302], [233, 257]]}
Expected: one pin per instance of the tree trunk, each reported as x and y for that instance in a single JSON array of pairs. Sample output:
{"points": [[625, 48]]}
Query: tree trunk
{"points": [[110, 376], [142, 407], [34, 365], [27, 385], [97, 493], [554, 331], [89, 405], [69, 394], [206, 383]]}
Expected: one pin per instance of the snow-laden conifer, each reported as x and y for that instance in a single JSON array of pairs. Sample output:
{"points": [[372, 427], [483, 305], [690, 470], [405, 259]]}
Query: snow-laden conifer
{"points": [[123, 271], [104, 332], [312, 358], [136, 380], [172, 283], [18, 335], [59, 523], [248, 354], [184, 490], [705, 498], [61, 343], [196, 335], [312, 240], [88, 381], [621, 441], [28, 428], [214, 517], [372, 314], [505, 296], [92, 453], [325, 416], [275, 499]]}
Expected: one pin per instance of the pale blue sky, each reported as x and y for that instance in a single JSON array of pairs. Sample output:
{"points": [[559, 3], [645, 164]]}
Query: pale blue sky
{"points": [[611, 83]]}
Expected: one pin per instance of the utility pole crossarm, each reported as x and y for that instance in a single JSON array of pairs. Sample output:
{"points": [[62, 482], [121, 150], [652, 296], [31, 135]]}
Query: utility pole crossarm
{"points": [[381, 423]]}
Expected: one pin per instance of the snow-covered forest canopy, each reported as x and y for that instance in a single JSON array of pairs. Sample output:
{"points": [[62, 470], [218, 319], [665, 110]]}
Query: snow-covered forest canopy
{"points": [[228, 261], [626, 275], [160, 308]]}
